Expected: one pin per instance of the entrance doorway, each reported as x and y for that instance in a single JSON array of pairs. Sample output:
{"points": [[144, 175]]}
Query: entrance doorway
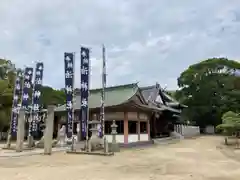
{"points": [[160, 126]]}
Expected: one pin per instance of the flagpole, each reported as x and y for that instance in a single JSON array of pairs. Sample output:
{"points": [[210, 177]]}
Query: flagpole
{"points": [[89, 71], [9, 138], [73, 99], [85, 85], [103, 91]]}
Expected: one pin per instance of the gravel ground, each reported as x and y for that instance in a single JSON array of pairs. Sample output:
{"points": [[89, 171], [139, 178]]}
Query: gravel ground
{"points": [[195, 159]]}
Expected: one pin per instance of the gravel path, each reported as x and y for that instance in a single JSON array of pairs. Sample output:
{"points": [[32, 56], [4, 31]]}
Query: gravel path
{"points": [[195, 159]]}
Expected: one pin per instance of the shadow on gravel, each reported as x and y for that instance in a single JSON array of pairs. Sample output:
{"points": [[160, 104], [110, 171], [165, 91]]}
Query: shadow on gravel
{"points": [[229, 152]]}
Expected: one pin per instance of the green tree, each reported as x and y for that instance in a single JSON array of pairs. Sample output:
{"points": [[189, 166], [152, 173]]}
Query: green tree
{"points": [[171, 93], [52, 96], [7, 79], [209, 89], [230, 125]]}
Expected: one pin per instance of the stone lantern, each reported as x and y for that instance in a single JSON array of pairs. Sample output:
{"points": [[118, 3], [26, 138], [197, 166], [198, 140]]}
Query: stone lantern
{"points": [[94, 124], [95, 142], [114, 145]]}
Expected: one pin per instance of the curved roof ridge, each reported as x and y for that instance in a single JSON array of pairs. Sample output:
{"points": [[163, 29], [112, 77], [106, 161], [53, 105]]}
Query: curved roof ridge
{"points": [[135, 90], [115, 87], [141, 93], [147, 87]]}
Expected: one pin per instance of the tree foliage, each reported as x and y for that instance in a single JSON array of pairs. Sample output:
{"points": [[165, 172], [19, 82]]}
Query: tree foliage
{"points": [[52, 96], [7, 79], [231, 123], [209, 89], [171, 93]]}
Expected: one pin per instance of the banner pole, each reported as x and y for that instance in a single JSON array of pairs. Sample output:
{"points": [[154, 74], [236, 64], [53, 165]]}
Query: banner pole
{"points": [[103, 92], [85, 85], [25, 91], [69, 92], [73, 99], [87, 124], [10, 133]]}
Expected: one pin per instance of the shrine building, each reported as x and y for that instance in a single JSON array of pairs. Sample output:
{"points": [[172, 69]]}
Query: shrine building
{"points": [[141, 114]]}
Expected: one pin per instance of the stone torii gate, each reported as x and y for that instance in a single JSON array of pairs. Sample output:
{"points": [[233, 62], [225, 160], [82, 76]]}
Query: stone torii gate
{"points": [[47, 139]]}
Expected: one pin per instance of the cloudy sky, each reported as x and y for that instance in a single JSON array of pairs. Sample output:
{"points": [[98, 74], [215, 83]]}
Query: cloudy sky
{"points": [[147, 40]]}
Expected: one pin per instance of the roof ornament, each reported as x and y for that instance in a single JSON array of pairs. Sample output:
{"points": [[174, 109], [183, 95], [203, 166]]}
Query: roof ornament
{"points": [[158, 98], [153, 98]]}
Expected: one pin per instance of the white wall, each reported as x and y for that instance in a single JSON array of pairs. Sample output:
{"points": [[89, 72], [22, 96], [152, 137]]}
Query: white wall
{"points": [[143, 137], [187, 131], [210, 130], [119, 138], [132, 138]]}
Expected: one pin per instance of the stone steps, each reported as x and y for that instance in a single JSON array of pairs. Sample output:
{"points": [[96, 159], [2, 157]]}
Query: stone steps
{"points": [[176, 135]]}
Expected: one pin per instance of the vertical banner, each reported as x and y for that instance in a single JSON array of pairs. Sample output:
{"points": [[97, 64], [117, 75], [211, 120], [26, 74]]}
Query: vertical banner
{"points": [[15, 105], [69, 81], [36, 102], [102, 119], [27, 87], [84, 89]]}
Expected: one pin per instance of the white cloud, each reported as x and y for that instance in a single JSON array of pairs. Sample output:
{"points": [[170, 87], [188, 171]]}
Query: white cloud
{"points": [[147, 41]]}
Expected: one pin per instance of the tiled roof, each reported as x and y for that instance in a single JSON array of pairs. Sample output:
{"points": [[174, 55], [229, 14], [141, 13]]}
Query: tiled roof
{"points": [[118, 95], [115, 95], [150, 93]]}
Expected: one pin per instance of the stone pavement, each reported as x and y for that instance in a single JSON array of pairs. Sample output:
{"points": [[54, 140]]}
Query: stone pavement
{"points": [[37, 151], [13, 153]]}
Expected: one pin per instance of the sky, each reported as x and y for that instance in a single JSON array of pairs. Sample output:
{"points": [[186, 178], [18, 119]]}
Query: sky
{"points": [[146, 41]]}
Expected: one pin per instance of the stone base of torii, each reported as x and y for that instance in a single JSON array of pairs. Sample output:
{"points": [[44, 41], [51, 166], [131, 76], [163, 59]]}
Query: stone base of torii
{"points": [[46, 141]]}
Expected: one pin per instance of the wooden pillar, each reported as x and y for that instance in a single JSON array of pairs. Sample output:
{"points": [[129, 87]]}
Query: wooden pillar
{"points": [[154, 127], [125, 128], [148, 129], [138, 129], [138, 125]]}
